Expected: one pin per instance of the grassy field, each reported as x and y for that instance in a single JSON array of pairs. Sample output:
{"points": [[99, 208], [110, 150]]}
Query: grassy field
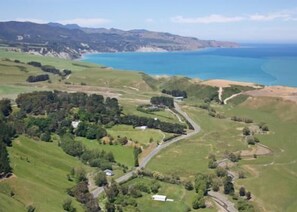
{"points": [[130, 107], [121, 153], [273, 178], [96, 78], [40, 177], [140, 136], [182, 198], [188, 157]]}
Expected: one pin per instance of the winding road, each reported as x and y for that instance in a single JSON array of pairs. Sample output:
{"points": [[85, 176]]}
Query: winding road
{"points": [[217, 197]]}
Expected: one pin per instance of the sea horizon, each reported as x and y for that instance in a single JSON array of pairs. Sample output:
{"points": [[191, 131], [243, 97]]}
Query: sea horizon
{"points": [[265, 64]]}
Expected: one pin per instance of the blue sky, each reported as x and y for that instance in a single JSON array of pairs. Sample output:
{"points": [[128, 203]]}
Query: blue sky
{"points": [[236, 20]]}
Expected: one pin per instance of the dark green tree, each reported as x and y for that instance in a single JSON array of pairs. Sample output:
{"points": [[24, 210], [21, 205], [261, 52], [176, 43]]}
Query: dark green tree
{"points": [[100, 179], [4, 160]]}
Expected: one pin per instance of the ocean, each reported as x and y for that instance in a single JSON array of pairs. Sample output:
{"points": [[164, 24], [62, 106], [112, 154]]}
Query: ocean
{"points": [[265, 64]]}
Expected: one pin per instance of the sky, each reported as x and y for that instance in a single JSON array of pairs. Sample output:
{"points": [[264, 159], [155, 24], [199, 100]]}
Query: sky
{"points": [[263, 21]]}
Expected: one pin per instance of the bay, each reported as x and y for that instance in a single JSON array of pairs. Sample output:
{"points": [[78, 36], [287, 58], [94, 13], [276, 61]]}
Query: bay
{"points": [[269, 64]]}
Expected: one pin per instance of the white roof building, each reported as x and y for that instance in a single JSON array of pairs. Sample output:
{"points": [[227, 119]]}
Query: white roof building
{"points": [[141, 128], [108, 172], [75, 124], [159, 198]]}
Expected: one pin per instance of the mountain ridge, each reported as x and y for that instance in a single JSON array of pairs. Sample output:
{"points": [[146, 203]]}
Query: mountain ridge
{"points": [[71, 41]]}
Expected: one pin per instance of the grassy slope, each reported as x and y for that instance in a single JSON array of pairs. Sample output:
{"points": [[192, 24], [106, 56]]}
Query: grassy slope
{"points": [[40, 176], [182, 198], [140, 136], [122, 154], [273, 178], [15, 75], [188, 157]]}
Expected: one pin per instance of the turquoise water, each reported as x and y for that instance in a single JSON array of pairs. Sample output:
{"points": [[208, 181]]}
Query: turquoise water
{"points": [[263, 64]]}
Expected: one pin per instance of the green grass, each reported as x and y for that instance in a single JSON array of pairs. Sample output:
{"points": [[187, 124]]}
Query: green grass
{"points": [[273, 178], [238, 99], [188, 157], [130, 107], [234, 89], [40, 176], [122, 154], [182, 198], [140, 136]]}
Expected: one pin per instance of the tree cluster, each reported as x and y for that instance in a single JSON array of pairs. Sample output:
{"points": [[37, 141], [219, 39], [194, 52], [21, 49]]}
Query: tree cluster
{"points": [[38, 78], [50, 69], [152, 123], [242, 119], [81, 193], [7, 133], [201, 186], [172, 179], [137, 151], [162, 101], [175, 93], [94, 158]]}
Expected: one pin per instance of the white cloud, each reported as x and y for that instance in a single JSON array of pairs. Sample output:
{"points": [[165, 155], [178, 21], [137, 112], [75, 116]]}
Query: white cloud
{"points": [[206, 19], [149, 20], [86, 22], [33, 20], [283, 15]]}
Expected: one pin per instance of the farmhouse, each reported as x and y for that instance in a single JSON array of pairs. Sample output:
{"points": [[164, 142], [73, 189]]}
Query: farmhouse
{"points": [[159, 197], [108, 172]]}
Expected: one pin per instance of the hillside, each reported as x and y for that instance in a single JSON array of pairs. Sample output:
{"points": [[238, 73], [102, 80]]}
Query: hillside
{"points": [[267, 166], [70, 41]]}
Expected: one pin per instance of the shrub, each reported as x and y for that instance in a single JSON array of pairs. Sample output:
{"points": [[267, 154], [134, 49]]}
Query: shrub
{"points": [[100, 179]]}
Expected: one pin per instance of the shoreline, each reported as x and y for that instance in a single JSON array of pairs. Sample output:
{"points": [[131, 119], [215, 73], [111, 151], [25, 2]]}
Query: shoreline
{"points": [[244, 74]]}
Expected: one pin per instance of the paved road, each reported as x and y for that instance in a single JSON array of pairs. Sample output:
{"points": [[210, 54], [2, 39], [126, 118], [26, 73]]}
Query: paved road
{"points": [[219, 198], [223, 201], [96, 192]]}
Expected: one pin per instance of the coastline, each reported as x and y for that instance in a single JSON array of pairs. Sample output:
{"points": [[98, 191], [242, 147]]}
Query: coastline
{"points": [[240, 64]]}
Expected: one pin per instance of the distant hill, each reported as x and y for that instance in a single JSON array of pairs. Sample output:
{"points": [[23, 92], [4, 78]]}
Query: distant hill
{"points": [[71, 40]]}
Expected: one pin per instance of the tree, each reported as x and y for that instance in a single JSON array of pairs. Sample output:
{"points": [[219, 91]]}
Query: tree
{"points": [[189, 185], [228, 186], [221, 172], [248, 195], [198, 201], [67, 205], [100, 179], [246, 131], [5, 107], [232, 157], [201, 184], [242, 191], [110, 207], [112, 191], [46, 136], [212, 164], [71, 146], [4, 160], [215, 185], [155, 187]]}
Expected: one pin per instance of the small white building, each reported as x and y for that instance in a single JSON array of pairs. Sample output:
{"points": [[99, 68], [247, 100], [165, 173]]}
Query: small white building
{"points": [[108, 172], [75, 124], [159, 198], [141, 128]]}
